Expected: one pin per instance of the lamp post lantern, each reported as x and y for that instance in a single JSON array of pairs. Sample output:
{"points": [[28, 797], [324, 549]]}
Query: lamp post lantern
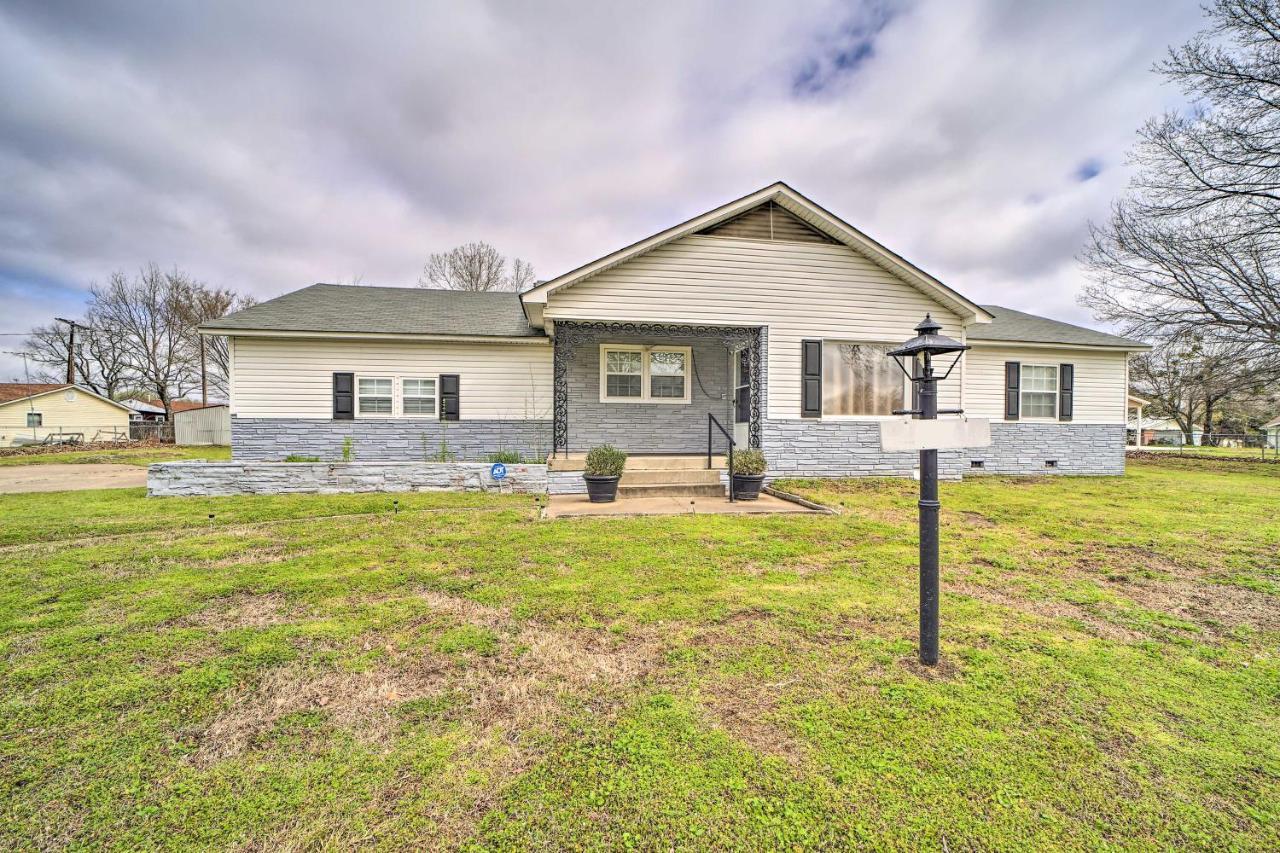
{"points": [[920, 351]]}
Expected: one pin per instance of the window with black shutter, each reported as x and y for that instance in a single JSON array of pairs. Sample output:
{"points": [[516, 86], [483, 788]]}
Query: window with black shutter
{"points": [[449, 404], [811, 379], [344, 403]]}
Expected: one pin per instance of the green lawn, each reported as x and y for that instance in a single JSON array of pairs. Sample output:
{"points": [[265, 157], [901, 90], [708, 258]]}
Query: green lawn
{"points": [[323, 671], [127, 456]]}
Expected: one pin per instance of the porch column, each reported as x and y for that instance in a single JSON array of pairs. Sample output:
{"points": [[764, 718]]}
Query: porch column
{"points": [[561, 353], [755, 359]]}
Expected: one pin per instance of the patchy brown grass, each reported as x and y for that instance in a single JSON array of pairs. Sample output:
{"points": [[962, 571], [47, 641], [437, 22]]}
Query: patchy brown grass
{"points": [[245, 610]]}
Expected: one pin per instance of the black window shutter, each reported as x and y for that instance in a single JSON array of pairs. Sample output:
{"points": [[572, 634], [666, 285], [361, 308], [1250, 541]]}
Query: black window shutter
{"points": [[1012, 380], [811, 379], [449, 397], [344, 397], [1066, 391]]}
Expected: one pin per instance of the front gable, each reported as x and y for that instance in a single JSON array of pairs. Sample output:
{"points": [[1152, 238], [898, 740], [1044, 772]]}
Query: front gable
{"points": [[776, 215]]}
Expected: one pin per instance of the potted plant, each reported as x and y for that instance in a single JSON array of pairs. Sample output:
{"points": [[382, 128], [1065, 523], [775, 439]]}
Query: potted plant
{"points": [[748, 474], [602, 471]]}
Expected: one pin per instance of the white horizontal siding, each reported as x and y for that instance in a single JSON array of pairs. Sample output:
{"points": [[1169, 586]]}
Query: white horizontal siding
{"points": [[797, 290], [1100, 394], [293, 378]]}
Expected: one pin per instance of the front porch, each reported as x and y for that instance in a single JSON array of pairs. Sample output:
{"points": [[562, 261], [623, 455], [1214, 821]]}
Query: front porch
{"points": [[648, 388]]}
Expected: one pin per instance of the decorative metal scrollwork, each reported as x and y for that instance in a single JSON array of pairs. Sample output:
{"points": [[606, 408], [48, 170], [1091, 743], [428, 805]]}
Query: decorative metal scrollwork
{"points": [[568, 335]]}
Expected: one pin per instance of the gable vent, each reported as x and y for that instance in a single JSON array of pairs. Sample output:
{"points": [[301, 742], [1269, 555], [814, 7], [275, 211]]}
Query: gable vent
{"points": [[768, 222]]}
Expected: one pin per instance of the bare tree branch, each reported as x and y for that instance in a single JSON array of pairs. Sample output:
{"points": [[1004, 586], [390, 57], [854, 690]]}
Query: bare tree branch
{"points": [[475, 267]]}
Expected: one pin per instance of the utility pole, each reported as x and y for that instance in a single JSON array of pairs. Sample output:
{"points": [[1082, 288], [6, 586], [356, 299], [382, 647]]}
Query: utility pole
{"points": [[71, 348], [204, 381]]}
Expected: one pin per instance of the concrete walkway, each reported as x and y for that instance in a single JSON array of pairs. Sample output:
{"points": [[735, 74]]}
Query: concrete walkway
{"points": [[571, 506], [58, 477]]}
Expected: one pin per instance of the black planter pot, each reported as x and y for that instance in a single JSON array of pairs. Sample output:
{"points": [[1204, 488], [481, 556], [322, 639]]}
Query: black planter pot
{"points": [[601, 490], [746, 487]]}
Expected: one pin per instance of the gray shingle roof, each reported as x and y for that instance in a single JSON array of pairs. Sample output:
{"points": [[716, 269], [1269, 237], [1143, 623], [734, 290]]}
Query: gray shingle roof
{"points": [[390, 310], [1010, 325]]}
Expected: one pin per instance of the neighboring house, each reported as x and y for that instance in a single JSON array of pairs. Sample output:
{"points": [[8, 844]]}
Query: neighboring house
{"points": [[1272, 431], [769, 313], [202, 425], [1134, 425], [153, 410], [33, 412]]}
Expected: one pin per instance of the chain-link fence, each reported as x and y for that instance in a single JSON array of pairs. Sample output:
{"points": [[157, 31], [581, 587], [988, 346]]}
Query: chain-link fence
{"points": [[1226, 444]]}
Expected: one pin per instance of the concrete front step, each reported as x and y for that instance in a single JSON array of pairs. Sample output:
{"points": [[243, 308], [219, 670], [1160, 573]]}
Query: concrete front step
{"points": [[672, 490], [674, 477], [690, 462]]}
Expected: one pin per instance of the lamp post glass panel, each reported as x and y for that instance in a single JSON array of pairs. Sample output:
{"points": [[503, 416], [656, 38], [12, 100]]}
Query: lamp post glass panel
{"points": [[921, 352]]}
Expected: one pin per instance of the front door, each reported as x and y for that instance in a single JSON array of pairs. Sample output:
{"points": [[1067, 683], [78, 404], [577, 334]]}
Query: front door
{"points": [[742, 398]]}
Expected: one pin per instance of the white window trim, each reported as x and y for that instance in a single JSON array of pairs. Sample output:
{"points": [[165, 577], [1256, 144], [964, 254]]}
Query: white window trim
{"points": [[906, 383], [30, 425], [1057, 392], [645, 350], [398, 405], [397, 397]]}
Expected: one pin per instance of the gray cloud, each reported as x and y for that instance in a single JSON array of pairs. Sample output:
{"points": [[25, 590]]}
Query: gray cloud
{"points": [[264, 146]]}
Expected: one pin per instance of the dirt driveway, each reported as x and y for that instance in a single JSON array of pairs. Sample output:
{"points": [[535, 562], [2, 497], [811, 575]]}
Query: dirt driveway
{"points": [[58, 478]]}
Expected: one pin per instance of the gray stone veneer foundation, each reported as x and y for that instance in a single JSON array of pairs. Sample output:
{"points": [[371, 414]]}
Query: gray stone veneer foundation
{"points": [[175, 479], [1024, 448], [828, 448], [399, 440], [818, 448]]}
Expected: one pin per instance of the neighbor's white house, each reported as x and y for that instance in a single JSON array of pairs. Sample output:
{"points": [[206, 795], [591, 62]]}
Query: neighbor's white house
{"points": [[768, 313]]}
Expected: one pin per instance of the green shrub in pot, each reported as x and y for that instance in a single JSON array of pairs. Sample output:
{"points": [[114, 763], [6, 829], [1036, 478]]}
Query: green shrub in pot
{"points": [[603, 468], [748, 473]]}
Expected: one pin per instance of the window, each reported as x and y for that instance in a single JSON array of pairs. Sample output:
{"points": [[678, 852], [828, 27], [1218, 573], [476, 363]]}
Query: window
{"points": [[418, 397], [35, 419], [1039, 391], [644, 374], [623, 373], [859, 379], [375, 397], [666, 374]]}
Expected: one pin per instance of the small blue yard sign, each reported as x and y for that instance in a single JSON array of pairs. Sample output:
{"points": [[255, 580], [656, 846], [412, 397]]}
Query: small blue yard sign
{"points": [[498, 471]]}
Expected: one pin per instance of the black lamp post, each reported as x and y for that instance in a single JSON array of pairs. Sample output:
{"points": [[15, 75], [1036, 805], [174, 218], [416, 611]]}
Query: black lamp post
{"points": [[921, 350]]}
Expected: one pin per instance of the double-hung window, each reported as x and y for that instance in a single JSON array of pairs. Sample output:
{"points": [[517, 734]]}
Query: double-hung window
{"points": [[631, 373], [35, 419], [375, 396], [860, 380], [418, 397], [1039, 391]]}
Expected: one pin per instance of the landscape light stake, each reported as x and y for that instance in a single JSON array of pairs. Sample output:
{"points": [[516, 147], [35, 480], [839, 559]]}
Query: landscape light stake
{"points": [[921, 351]]}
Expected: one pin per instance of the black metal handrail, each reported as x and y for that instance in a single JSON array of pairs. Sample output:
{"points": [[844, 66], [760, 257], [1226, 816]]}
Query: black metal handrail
{"points": [[711, 419]]}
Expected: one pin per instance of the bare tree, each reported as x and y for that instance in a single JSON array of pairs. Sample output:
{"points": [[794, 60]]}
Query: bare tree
{"points": [[476, 267], [1191, 382], [152, 316], [1194, 245], [210, 352], [101, 358]]}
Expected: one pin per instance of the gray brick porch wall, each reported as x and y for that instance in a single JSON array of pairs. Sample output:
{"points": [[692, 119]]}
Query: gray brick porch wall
{"points": [[1023, 448], [177, 479], [649, 427], [272, 439]]}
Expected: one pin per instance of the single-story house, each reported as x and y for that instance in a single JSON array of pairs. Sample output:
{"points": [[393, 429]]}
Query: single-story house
{"points": [[32, 412], [1272, 431], [153, 410], [769, 313]]}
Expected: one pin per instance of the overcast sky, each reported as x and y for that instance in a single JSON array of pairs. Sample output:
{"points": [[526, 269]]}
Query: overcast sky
{"points": [[264, 146]]}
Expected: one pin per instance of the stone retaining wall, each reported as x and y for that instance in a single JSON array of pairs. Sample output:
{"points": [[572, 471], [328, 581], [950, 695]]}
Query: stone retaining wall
{"points": [[172, 479]]}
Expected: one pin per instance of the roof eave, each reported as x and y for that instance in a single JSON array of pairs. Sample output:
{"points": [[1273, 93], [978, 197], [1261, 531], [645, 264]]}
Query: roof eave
{"points": [[403, 336]]}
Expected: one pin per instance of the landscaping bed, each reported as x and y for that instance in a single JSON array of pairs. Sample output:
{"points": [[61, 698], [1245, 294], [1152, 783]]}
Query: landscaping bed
{"points": [[448, 670]]}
